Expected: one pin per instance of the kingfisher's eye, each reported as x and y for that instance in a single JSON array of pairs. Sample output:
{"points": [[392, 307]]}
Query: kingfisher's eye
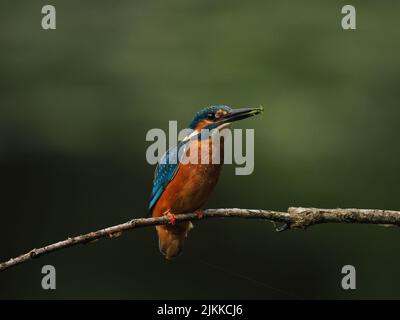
{"points": [[211, 116], [219, 114]]}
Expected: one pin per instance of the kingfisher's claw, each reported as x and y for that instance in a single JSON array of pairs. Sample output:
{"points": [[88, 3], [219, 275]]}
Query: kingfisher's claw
{"points": [[172, 218]]}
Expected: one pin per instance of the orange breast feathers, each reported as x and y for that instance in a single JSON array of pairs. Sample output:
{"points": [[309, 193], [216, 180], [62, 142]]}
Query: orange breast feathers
{"points": [[193, 183]]}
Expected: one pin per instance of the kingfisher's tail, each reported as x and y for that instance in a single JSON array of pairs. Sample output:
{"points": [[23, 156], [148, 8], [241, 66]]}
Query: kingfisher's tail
{"points": [[172, 238]]}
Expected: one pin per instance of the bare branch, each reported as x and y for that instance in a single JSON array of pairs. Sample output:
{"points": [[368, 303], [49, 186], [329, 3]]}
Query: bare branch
{"points": [[295, 218]]}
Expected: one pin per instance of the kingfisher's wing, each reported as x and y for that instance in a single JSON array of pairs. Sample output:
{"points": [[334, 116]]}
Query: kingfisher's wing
{"points": [[166, 169]]}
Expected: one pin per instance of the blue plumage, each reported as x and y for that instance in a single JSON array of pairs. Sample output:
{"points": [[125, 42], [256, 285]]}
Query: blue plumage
{"points": [[165, 171]]}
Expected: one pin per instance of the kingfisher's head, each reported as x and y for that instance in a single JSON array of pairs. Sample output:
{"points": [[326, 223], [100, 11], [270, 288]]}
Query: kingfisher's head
{"points": [[218, 117]]}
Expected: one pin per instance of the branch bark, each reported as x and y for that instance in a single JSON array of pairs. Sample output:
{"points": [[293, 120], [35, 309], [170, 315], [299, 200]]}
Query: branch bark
{"points": [[294, 218]]}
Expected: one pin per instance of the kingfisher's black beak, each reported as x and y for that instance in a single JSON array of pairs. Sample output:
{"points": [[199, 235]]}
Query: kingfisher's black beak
{"points": [[239, 114]]}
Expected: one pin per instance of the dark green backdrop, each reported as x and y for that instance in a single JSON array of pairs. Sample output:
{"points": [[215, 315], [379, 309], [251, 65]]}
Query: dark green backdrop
{"points": [[77, 102]]}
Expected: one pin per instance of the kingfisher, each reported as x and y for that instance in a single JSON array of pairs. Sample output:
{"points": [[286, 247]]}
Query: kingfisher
{"points": [[184, 186]]}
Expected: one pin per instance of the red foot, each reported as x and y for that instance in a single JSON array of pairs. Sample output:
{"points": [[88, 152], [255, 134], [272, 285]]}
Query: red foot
{"points": [[199, 214], [172, 218]]}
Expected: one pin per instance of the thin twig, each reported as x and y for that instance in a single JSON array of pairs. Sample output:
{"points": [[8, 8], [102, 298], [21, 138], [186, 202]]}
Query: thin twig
{"points": [[295, 218]]}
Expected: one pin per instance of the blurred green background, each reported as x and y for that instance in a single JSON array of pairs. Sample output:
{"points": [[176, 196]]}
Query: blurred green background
{"points": [[76, 104]]}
